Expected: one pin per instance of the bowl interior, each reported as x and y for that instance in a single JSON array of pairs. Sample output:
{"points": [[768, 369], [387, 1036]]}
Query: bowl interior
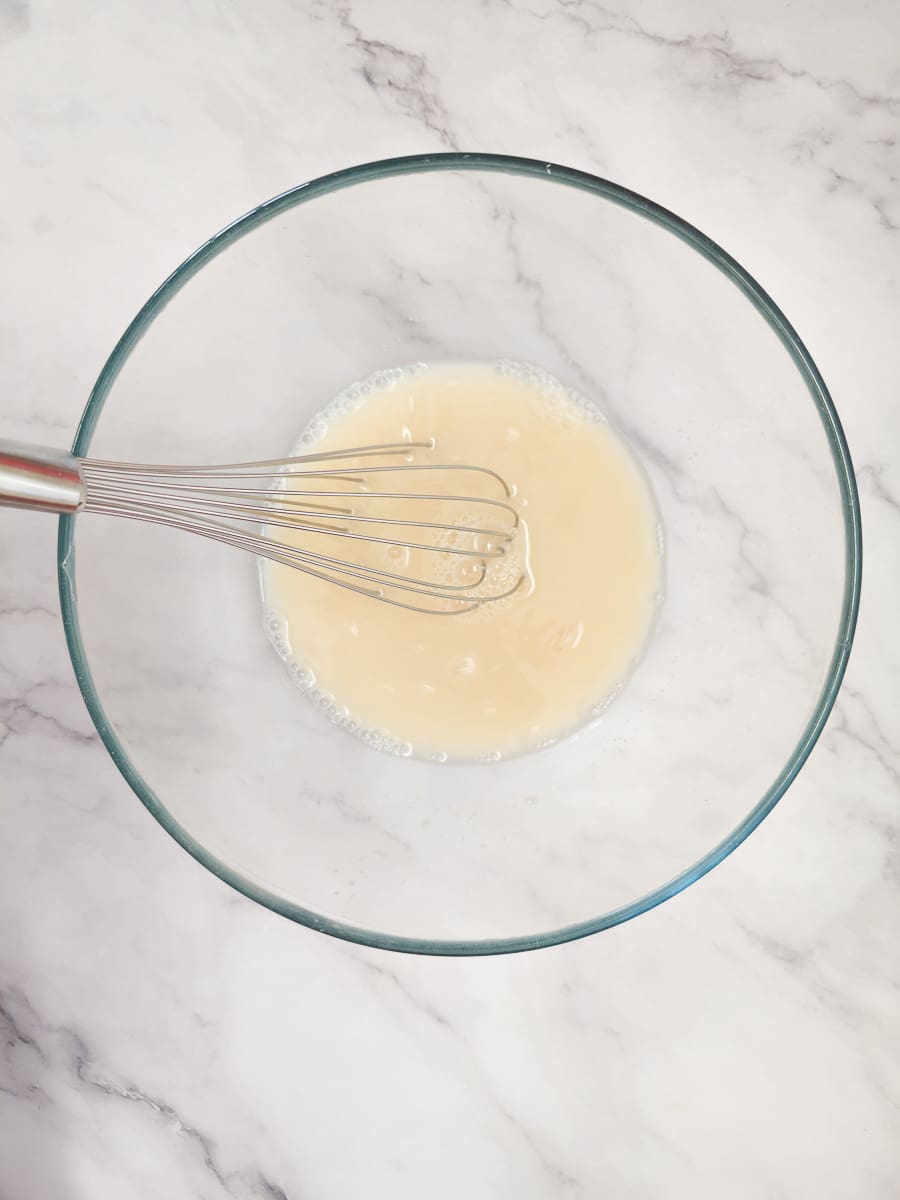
{"points": [[471, 258]]}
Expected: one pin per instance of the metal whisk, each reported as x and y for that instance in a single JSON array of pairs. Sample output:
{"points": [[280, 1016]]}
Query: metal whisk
{"points": [[302, 512]]}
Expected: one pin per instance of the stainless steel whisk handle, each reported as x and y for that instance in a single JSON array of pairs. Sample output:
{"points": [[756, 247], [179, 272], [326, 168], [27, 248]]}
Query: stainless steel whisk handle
{"points": [[40, 478]]}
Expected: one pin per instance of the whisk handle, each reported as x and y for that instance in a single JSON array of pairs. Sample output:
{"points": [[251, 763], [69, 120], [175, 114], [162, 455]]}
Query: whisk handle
{"points": [[40, 478]]}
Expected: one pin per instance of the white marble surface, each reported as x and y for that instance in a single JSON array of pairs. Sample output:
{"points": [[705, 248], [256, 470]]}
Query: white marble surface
{"points": [[159, 1035]]}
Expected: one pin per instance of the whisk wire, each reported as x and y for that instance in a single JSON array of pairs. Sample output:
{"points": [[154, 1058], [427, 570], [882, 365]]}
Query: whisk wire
{"points": [[220, 503]]}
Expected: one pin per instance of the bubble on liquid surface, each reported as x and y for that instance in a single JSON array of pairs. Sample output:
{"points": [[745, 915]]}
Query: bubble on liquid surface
{"points": [[466, 665]]}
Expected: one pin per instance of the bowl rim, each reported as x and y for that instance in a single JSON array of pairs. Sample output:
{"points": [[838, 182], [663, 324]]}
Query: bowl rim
{"points": [[765, 306]]}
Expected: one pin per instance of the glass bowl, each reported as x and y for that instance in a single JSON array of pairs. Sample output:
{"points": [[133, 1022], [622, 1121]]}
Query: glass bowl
{"points": [[471, 256]]}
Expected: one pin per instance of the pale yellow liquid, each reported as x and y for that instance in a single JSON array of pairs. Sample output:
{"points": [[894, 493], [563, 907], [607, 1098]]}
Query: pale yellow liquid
{"points": [[513, 675]]}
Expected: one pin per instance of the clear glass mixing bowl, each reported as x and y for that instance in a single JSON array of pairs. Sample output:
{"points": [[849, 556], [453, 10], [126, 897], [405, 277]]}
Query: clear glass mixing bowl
{"points": [[475, 257]]}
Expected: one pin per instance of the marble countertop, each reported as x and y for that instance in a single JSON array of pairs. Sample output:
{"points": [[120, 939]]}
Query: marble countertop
{"points": [[162, 1036]]}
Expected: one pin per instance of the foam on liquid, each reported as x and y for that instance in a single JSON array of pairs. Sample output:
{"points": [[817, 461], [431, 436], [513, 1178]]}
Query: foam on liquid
{"points": [[516, 674]]}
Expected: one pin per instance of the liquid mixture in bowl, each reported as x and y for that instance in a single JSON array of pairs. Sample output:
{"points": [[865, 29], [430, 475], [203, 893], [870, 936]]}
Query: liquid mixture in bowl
{"points": [[514, 674]]}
